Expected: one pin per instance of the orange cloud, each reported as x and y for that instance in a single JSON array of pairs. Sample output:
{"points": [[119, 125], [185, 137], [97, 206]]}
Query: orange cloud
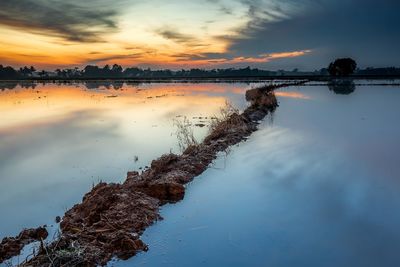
{"points": [[178, 62], [263, 58], [122, 32], [46, 52], [287, 54]]}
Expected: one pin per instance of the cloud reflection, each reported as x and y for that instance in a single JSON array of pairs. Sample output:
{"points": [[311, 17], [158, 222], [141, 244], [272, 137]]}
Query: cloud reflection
{"points": [[296, 95]]}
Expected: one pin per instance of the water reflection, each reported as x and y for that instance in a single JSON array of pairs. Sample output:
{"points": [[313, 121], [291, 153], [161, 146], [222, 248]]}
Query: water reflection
{"points": [[297, 95], [10, 85], [116, 85], [56, 140], [309, 190], [342, 86], [119, 84]]}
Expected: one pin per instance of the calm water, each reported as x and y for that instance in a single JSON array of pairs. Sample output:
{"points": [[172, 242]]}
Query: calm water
{"points": [[57, 140], [318, 185]]}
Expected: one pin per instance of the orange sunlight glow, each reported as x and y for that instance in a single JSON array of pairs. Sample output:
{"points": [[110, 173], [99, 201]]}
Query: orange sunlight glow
{"points": [[137, 45], [264, 58], [196, 34]]}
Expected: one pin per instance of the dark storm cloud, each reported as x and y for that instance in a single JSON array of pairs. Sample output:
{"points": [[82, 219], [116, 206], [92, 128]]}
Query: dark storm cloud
{"points": [[80, 21], [365, 29]]}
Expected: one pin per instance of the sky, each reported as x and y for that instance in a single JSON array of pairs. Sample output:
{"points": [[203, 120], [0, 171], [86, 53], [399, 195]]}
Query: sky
{"points": [[267, 34]]}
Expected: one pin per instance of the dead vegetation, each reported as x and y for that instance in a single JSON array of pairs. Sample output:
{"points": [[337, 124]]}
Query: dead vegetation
{"points": [[226, 119], [224, 114], [12, 246], [184, 133], [109, 221], [107, 224]]}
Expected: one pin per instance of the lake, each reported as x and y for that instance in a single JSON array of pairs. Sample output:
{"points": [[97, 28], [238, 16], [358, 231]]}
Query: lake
{"points": [[317, 185]]}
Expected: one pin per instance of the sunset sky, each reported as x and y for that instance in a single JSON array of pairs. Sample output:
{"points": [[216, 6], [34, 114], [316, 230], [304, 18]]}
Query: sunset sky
{"points": [[270, 34]]}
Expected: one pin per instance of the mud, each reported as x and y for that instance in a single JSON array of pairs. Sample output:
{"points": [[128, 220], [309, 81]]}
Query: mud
{"points": [[109, 221], [12, 246]]}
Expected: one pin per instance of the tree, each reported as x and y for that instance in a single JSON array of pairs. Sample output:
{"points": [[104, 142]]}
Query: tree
{"points": [[342, 67], [116, 70], [25, 71], [42, 74], [91, 71], [8, 73]]}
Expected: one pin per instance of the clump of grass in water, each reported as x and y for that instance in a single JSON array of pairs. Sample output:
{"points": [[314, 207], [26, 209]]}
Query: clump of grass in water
{"points": [[221, 124], [226, 112], [185, 129], [185, 134]]}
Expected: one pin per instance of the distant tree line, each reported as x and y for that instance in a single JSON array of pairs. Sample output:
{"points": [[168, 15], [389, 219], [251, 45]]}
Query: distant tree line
{"points": [[8, 73], [338, 68], [117, 71]]}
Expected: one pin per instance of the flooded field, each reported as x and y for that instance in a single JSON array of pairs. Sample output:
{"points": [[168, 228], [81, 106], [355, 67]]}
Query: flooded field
{"points": [[56, 141], [317, 185]]}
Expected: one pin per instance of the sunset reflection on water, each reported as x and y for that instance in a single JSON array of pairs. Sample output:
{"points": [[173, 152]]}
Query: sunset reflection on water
{"points": [[57, 140]]}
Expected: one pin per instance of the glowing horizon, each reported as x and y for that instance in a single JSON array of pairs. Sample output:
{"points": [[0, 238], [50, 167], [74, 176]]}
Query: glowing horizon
{"points": [[133, 33], [175, 34]]}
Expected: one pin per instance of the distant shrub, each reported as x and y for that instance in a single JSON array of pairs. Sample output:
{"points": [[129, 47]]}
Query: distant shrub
{"points": [[342, 67]]}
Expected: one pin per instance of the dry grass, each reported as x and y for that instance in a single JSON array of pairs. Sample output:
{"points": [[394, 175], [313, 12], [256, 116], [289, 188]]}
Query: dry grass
{"points": [[221, 123], [53, 256], [185, 134], [225, 114], [46, 254]]}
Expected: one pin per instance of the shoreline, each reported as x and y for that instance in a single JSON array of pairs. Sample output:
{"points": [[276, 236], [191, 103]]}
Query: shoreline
{"points": [[205, 79], [109, 221]]}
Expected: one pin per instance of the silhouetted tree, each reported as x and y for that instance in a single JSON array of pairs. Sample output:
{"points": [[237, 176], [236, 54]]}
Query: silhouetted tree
{"points": [[91, 71], [106, 70], [116, 71], [25, 71], [342, 67], [60, 73], [133, 72], [8, 73], [43, 74], [390, 71]]}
